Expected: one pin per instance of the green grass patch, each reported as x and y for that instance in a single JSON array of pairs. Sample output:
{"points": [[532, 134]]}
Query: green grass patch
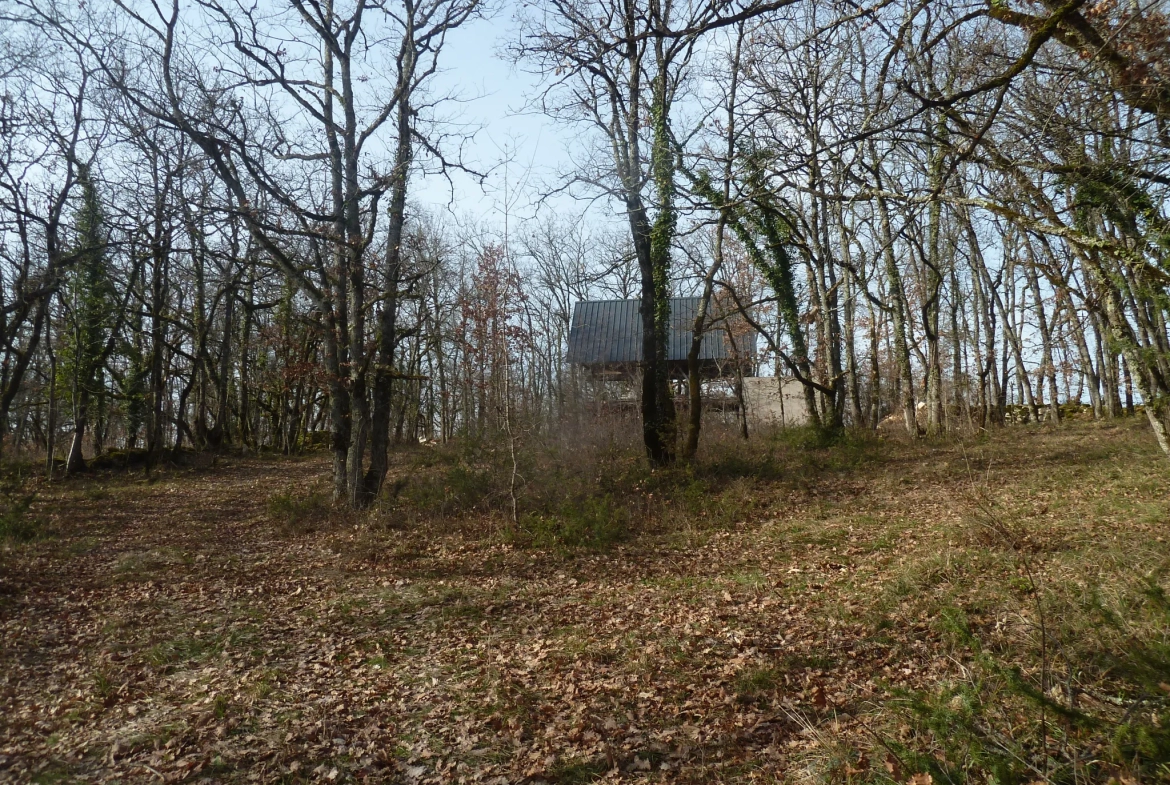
{"points": [[183, 650], [577, 771], [754, 684]]}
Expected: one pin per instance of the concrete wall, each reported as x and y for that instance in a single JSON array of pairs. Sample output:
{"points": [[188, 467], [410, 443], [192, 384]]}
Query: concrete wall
{"points": [[767, 406]]}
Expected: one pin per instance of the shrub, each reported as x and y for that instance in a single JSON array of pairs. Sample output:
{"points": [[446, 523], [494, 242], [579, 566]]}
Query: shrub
{"points": [[1061, 720], [577, 490], [295, 515], [756, 684], [455, 489], [589, 522], [16, 523], [1079, 691]]}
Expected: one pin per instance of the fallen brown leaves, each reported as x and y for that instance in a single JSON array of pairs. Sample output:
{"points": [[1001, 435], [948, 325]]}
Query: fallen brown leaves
{"points": [[171, 633]]}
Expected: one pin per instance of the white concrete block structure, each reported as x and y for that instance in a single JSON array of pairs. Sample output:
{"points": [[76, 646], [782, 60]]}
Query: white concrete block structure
{"points": [[774, 401]]}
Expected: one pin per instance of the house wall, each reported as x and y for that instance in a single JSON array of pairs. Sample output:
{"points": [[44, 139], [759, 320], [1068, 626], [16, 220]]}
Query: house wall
{"points": [[767, 405]]}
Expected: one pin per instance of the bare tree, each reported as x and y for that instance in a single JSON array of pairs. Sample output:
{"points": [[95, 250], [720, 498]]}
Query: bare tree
{"points": [[277, 115], [46, 140]]}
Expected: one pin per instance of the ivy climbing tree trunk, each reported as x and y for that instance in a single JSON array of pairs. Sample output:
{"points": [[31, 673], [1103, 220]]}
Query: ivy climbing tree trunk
{"points": [[662, 447], [90, 293]]}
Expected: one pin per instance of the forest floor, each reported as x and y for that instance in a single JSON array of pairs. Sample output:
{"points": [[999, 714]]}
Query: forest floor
{"points": [[176, 630]]}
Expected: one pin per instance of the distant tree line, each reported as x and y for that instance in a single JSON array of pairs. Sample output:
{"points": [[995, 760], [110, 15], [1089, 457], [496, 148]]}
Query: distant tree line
{"points": [[949, 214]]}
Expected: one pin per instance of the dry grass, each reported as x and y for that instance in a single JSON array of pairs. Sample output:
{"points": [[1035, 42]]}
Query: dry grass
{"points": [[786, 610]]}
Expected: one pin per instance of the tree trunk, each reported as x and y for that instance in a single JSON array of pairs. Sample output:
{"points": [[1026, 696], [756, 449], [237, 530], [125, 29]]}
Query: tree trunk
{"points": [[158, 293], [850, 348], [1088, 369], [898, 309], [388, 319], [1151, 386], [1048, 370], [76, 462], [932, 306], [16, 374], [656, 273], [698, 330], [51, 426]]}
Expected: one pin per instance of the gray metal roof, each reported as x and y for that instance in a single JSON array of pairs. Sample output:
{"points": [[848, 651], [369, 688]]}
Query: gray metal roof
{"points": [[610, 331]]}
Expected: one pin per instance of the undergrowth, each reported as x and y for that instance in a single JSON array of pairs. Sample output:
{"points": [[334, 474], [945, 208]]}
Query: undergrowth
{"points": [[587, 522], [17, 523], [1089, 704], [1057, 676], [794, 609], [593, 492], [1070, 685], [296, 514]]}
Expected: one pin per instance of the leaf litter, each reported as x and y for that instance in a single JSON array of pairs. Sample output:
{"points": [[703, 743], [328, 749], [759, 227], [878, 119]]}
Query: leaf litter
{"points": [[171, 633]]}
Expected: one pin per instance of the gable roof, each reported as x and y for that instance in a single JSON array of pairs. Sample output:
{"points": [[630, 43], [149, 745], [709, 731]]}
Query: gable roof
{"points": [[607, 332]]}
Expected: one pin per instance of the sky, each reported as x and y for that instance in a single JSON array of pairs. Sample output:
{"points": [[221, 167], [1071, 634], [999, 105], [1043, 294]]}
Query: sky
{"points": [[541, 150], [496, 94]]}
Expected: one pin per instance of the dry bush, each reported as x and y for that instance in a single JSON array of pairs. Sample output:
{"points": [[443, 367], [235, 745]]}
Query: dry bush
{"points": [[298, 514], [589, 485]]}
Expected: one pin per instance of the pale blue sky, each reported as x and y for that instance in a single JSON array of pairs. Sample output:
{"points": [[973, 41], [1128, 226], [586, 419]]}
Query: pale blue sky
{"points": [[497, 93]]}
